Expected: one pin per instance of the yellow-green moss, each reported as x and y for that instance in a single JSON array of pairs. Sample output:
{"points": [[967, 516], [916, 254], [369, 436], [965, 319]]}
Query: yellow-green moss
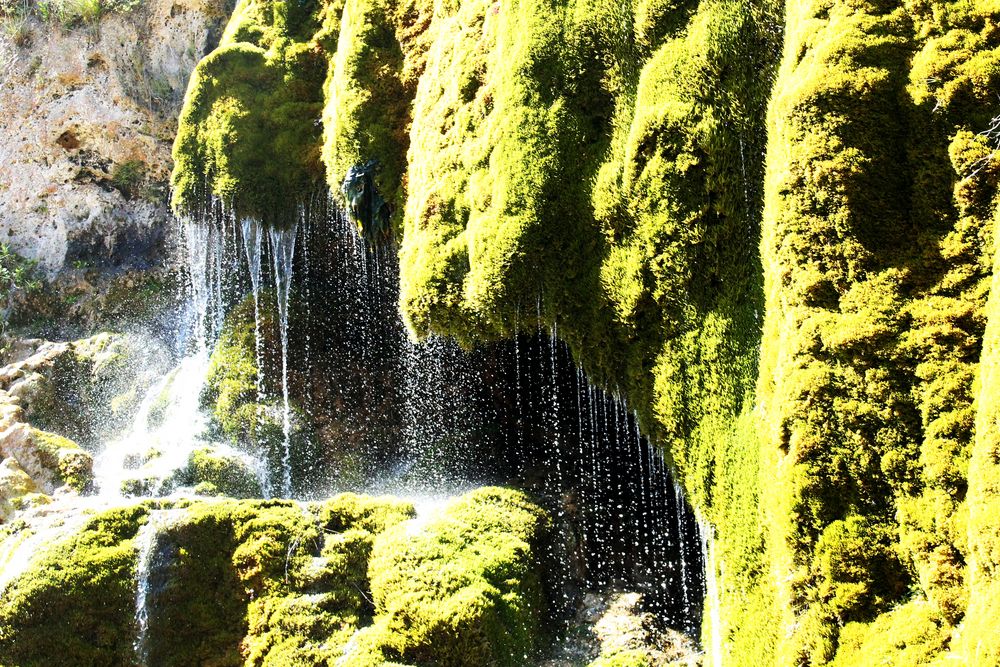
{"points": [[243, 410], [810, 370], [68, 460], [273, 583], [464, 590], [877, 264], [249, 133], [75, 605]]}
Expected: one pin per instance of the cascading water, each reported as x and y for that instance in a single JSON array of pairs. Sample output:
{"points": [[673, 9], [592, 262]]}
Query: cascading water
{"points": [[253, 246], [150, 562], [283, 251], [714, 629], [418, 419]]}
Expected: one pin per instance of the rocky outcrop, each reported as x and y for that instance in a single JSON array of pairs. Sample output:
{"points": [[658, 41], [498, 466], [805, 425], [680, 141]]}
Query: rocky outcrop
{"points": [[86, 389], [54, 396], [86, 120]]}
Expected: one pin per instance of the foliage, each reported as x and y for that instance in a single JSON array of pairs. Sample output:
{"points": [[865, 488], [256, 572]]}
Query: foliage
{"points": [[17, 273], [127, 177]]}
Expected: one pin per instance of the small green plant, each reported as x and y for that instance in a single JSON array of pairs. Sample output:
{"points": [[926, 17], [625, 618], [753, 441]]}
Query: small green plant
{"points": [[14, 15], [127, 177], [16, 273]]}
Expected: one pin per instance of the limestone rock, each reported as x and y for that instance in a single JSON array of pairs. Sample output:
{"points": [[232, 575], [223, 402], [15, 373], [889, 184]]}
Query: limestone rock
{"points": [[17, 489], [86, 121], [51, 461]]}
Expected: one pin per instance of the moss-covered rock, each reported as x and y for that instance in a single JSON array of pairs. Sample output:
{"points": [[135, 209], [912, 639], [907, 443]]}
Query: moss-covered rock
{"points": [[241, 582], [50, 460], [214, 471], [770, 227], [75, 604], [249, 133], [466, 588]]}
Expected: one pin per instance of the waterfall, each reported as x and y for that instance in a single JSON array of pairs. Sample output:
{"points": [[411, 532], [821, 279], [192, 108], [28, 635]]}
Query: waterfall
{"points": [[147, 551], [166, 429], [283, 250], [252, 245]]}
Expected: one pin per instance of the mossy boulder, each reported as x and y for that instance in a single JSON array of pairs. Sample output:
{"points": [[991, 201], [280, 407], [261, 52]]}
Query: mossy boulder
{"points": [[216, 471], [50, 460], [465, 589], [242, 582], [75, 603]]}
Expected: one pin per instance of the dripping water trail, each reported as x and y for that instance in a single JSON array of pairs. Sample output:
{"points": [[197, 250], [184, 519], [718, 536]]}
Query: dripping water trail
{"points": [[151, 563], [252, 237], [283, 250]]}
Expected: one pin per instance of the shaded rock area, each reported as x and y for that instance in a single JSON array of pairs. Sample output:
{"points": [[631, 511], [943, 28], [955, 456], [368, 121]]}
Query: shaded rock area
{"points": [[611, 629], [59, 400]]}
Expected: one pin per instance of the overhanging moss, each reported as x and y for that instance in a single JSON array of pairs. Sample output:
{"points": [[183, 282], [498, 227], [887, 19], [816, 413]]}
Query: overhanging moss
{"points": [[805, 346], [249, 132]]}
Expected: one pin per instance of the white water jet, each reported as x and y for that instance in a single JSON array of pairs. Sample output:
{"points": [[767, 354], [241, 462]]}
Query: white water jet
{"points": [[146, 542], [679, 498], [283, 250], [252, 245], [167, 428]]}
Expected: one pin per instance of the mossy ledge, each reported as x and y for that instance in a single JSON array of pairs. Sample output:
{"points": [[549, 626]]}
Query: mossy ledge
{"points": [[769, 227], [353, 580]]}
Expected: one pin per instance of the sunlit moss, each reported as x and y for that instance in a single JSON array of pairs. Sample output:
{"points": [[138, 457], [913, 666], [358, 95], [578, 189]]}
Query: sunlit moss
{"points": [[804, 346]]}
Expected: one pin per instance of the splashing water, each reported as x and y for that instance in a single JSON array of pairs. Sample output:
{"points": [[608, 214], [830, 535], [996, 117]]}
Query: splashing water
{"points": [[252, 244], [165, 431]]}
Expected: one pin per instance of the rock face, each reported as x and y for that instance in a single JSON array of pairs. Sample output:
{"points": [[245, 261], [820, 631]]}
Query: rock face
{"points": [[56, 395], [86, 121]]}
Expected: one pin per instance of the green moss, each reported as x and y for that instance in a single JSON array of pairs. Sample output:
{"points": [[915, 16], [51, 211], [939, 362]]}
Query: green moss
{"points": [[913, 634], [217, 472], [245, 412], [876, 278], [465, 589], [277, 583], [75, 605], [628, 658], [249, 131], [803, 343]]}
